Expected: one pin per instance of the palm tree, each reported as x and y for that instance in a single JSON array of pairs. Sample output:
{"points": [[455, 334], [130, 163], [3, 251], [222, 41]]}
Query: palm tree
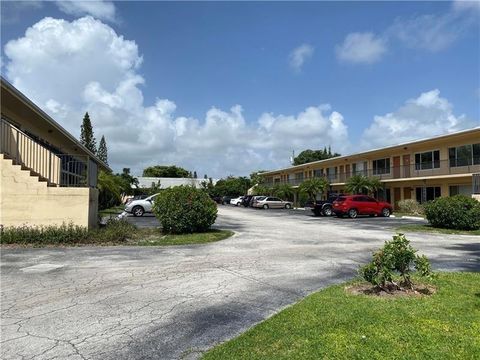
{"points": [[284, 191], [312, 187], [358, 184], [374, 185]]}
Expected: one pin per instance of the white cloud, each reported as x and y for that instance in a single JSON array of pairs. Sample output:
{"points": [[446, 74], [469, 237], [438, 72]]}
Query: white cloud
{"points": [[68, 68], [428, 32], [300, 55], [104, 10], [466, 5], [425, 116], [361, 48]]}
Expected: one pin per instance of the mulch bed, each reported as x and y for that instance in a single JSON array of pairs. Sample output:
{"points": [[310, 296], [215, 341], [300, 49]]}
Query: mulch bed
{"points": [[418, 290]]}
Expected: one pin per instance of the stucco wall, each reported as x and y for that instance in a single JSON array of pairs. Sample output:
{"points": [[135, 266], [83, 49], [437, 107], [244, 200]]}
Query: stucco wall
{"points": [[25, 200]]}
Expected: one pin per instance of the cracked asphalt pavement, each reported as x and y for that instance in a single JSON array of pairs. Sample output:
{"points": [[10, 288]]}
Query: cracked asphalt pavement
{"points": [[176, 302]]}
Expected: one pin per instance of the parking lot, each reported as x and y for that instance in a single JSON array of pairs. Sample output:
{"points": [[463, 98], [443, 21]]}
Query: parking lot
{"points": [[175, 302]]}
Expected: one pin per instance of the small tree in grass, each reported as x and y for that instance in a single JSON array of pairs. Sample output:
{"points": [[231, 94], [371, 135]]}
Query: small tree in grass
{"points": [[312, 187], [396, 259]]}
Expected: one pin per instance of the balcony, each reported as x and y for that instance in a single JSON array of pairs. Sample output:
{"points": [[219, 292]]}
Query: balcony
{"points": [[423, 170], [64, 170]]}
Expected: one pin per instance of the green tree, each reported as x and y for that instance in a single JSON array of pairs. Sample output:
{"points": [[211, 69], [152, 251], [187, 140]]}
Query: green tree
{"points": [[262, 190], [312, 187], [194, 174], [109, 190], [360, 184], [86, 134], [256, 178], [166, 171], [308, 155], [374, 184], [102, 152], [232, 186], [283, 191]]}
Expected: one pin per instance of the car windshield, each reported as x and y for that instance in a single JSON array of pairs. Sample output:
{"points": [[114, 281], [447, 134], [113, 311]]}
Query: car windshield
{"points": [[260, 198]]}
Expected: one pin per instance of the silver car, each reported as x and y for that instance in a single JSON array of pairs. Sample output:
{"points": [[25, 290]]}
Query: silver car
{"points": [[272, 203], [140, 207]]}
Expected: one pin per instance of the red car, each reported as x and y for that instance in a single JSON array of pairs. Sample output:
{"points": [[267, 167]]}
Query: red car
{"points": [[354, 205]]}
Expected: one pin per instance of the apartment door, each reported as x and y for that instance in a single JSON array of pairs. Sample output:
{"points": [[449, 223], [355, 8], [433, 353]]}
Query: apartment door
{"points": [[342, 176], [406, 166], [347, 171], [397, 196], [396, 167], [407, 193]]}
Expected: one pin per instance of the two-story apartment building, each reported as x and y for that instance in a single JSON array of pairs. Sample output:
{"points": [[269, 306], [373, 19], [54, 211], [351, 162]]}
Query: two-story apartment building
{"points": [[46, 176], [423, 170]]}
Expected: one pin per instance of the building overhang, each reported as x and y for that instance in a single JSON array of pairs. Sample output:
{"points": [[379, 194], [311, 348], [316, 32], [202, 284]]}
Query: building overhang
{"points": [[23, 112]]}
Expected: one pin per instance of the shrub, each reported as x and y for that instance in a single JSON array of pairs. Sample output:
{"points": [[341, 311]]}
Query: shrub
{"points": [[115, 230], [185, 209], [395, 259], [52, 234], [68, 234], [411, 206], [458, 212]]}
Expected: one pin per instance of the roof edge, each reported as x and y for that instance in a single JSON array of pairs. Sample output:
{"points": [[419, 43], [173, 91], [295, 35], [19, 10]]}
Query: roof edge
{"points": [[52, 122]]}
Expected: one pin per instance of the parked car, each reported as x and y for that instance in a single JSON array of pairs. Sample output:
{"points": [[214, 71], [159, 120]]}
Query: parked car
{"points": [[217, 199], [255, 199], [272, 203], [247, 200], [354, 205], [236, 201], [136, 197], [322, 207], [141, 206], [226, 200]]}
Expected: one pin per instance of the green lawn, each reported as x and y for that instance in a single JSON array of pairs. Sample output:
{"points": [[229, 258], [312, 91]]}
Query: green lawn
{"points": [[154, 238], [331, 324], [430, 228]]}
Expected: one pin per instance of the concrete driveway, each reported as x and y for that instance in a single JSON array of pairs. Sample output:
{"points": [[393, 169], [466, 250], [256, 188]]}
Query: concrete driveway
{"points": [[176, 302]]}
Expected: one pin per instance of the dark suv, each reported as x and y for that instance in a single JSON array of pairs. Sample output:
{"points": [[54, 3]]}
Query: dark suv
{"points": [[323, 207]]}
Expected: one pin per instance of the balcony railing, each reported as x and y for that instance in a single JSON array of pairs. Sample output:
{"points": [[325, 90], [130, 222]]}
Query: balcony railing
{"points": [[57, 169], [437, 168]]}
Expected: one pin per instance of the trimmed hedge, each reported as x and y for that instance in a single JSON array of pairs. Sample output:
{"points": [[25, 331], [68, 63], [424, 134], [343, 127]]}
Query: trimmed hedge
{"points": [[458, 212], [411, 206], [184, 209]]}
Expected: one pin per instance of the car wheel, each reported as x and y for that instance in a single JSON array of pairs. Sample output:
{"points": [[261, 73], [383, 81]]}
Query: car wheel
{"points": [[288, 206], [327, 211], [138, 211], [386, 212], [352, 213], [265, 206]]}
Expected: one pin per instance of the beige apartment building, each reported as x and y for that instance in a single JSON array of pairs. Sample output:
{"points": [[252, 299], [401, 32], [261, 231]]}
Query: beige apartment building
{"points": [[46, 176], [423, 170]]}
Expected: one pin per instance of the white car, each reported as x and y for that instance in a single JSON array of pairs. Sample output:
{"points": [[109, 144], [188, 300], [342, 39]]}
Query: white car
{"points": [[140, 207], [237, 201]]}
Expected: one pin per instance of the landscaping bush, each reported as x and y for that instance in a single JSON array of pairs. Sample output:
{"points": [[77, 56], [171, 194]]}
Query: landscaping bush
{"points": [[114, 231], [411, 206], [184, 209], [52, 234], [395, 259], [458, 212]]}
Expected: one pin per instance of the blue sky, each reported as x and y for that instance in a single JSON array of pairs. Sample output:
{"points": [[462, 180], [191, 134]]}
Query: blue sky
{"points": [[247, 83]]}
